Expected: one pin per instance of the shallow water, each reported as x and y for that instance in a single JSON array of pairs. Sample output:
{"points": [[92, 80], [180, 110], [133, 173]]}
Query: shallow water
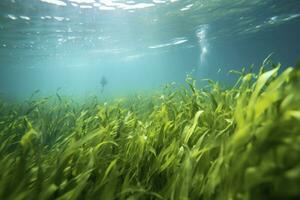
{"points": [[86, 111], [137, 45]]}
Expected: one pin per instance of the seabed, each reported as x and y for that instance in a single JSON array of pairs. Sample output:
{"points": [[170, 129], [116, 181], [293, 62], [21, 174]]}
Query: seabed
{"points": [[188, 142]]}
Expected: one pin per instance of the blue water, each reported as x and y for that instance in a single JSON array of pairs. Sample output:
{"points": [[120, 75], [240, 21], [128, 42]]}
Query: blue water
{"points": [[138, 45]]}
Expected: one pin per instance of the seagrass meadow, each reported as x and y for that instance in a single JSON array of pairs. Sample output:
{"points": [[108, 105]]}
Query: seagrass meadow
{"points": [[188, 142]]}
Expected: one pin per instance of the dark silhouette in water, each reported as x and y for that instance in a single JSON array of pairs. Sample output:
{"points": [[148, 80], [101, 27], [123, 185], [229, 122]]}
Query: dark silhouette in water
{"points": [[103, 83]]}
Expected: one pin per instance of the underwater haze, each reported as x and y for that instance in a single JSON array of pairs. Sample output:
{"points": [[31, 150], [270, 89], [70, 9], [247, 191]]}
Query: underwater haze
{"points": [[138, 45]]}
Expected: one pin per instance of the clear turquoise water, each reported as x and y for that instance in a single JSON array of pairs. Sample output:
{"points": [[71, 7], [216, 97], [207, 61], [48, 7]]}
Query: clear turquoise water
{"points": [[137, 45]]}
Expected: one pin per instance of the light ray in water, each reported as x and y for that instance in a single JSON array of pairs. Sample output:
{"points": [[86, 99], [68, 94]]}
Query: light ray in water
{"points": [[201, 34]]}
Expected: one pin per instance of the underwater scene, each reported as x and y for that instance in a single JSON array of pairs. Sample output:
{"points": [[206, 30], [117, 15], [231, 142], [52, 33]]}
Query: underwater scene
{"points": [[149, 99]]}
